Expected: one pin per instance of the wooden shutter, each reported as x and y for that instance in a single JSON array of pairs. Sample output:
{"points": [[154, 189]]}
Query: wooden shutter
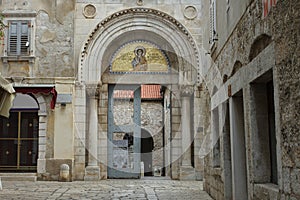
{"points": [[212, 21], [24, 40], [13, 38], [18, 39]]}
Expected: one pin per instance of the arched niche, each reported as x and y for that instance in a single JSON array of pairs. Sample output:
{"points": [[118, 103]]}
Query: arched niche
{"points": [[259, 44], [237, 65]]}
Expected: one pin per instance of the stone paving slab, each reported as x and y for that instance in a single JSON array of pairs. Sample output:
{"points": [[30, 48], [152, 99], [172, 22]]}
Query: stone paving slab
{"points": [[105, 189]]}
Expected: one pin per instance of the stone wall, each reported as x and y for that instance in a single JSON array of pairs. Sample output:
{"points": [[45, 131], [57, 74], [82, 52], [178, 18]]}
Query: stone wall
{"points": [[282, 57], [286, 35], [151, 121], [53, 39]]}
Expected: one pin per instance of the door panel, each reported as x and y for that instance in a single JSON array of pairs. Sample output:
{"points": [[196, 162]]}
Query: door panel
{"points": [[124, 131], [19, 141]]}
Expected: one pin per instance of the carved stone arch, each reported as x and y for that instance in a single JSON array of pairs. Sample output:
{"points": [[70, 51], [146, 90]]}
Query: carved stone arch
{"points": [[259, 44], [102, 41]]}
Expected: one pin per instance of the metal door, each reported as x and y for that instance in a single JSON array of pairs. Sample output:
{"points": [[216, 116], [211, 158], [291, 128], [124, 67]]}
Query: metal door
{"points": [[19, 142], [124, 131]]}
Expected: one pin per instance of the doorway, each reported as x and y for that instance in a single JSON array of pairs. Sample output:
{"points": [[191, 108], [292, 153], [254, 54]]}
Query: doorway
{"points": [[238, 147], [146, 152], [19, 136]]}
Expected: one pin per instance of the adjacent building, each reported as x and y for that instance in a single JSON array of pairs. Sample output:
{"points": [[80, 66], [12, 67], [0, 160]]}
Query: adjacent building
{"points": [[253, 86]]}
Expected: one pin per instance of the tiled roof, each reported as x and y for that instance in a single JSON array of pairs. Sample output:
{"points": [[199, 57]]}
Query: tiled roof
{"points": [[147, 92]]}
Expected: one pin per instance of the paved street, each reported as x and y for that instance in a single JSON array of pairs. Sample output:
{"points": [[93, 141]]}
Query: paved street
{"points": [[105, 189]]}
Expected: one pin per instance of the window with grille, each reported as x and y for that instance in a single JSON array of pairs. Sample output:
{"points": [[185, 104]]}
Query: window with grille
{"points": [[18, 38]]}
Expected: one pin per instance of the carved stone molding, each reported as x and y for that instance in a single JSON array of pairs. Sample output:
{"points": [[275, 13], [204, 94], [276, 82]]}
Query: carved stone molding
{"points": [[158, 15], [92, 90], [186, 90], [139, 2]]}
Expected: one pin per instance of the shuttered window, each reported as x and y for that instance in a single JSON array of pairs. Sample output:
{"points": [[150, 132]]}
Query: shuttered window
{"points": [[18, 38], [212, 22]]}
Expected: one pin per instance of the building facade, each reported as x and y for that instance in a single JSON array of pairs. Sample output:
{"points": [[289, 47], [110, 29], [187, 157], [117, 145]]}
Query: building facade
{"points": [[68, 59], [207, 90], [252, 80]]}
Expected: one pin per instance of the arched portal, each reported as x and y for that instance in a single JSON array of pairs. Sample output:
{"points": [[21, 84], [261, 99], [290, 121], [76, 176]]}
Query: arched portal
{"points": [[168, 39], [138, 24]]}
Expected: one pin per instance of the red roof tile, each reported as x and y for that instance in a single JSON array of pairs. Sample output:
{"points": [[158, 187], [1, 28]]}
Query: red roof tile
{"points": [[147, 92]]}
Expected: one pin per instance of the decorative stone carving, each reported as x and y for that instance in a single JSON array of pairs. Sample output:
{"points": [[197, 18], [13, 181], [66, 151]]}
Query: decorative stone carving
{"points": [[186, 90], [89, 11], [144, 11], [92, 90], [139, 2], [190, 12]]}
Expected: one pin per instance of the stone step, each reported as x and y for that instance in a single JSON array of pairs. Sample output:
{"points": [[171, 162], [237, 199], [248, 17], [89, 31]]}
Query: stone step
{"points": [[18, 176]]}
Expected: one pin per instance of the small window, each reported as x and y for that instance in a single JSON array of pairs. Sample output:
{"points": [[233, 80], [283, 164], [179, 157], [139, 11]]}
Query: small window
{"points": [[18, 38]]}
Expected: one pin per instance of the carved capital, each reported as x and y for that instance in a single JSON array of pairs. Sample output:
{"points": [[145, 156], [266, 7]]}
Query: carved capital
{"points": [[186, 90], [92, 90]]}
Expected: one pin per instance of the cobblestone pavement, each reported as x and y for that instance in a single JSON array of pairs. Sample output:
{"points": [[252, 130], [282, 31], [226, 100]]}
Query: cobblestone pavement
{"points": [[105, 189]]}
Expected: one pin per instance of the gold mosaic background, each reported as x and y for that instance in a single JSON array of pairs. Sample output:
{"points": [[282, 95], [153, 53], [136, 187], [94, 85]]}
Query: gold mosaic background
{"points": [[156, 60]]}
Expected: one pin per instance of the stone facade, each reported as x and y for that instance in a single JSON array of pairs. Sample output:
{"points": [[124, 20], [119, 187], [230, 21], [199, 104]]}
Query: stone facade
{"points": [[244, 62], [63, 52], [229, 113]]}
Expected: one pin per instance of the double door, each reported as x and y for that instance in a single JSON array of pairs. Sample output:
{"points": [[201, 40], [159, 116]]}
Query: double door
{"points": [[19, 142]]}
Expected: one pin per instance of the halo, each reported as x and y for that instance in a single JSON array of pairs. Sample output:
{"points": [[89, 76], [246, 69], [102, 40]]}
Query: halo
{"points": [[140, 47]]}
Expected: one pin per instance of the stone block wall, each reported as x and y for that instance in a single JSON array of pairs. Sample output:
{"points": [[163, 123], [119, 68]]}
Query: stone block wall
{"points": [[213, 182], [151, 121], [282, 57]]}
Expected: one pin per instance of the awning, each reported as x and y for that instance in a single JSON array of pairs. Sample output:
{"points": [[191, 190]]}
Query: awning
{"points": [[7, 95], [43, 89]]}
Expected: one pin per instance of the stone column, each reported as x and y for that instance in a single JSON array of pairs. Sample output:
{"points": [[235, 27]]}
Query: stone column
{"points": [[187, 172], [92, 171]]}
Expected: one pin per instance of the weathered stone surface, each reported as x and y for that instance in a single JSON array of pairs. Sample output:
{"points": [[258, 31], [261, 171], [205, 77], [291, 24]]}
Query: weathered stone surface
{"points": [[234, 48], [110, 189]]}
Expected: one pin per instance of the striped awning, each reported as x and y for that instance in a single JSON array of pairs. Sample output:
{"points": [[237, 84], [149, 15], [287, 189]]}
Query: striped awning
{"points": [[7, 95]]}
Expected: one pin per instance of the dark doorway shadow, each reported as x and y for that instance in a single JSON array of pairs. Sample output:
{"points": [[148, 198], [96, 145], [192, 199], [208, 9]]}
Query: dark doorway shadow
{"points": [[146, 152]]}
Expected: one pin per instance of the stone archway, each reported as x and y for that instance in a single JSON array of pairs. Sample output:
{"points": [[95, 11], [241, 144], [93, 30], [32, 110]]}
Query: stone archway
{"points": [[137, 23], [94, 76]]}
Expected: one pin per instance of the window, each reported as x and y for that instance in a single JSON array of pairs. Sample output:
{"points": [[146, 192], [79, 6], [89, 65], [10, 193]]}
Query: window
{"points": [[212, 23], [18, 38]]}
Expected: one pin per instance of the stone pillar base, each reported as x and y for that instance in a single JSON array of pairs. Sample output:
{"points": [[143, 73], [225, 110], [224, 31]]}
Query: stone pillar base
{"points": [[187, 173], [92, 173]]}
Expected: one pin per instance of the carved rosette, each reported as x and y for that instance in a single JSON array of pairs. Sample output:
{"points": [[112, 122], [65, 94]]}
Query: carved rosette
{"points": [[92, 90], [186, 90]]}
